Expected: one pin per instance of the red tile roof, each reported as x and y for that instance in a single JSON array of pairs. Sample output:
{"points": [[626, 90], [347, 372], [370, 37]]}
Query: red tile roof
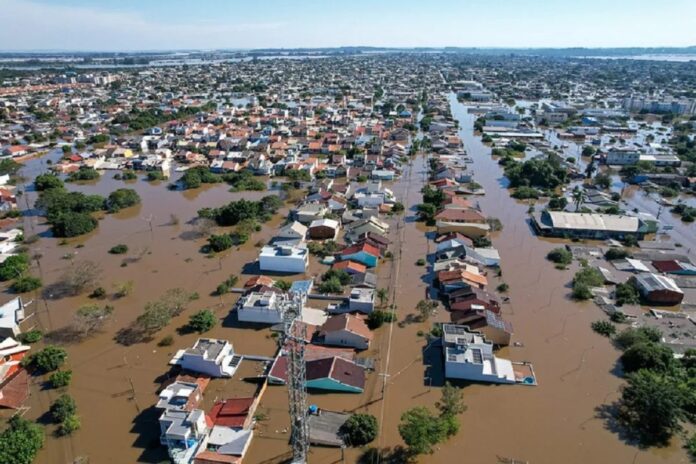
{"points": [[231, 412]]}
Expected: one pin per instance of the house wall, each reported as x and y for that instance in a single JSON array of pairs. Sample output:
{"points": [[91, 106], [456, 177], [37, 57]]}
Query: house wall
{"points": [[264, 316], [346, 338], [666, 297], [200, 365], [469, 371], [283, 263], [322, 232]]}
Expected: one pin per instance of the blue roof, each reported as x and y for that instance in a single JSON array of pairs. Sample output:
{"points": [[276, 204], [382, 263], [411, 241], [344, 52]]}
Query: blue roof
{"points": [[301, 286]]}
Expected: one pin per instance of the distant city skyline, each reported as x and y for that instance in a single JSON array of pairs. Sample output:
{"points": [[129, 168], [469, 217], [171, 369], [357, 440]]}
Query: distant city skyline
{"points": [[132, 25]]}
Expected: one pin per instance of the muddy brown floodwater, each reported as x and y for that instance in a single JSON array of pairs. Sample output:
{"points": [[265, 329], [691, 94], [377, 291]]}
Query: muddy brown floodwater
{"points": [[116, 386]]}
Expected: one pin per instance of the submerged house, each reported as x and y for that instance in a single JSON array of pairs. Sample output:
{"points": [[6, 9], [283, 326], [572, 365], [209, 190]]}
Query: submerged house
{"points": [[469, 356], [335, 374], [588, 225], [659, 289], [208, 356]]}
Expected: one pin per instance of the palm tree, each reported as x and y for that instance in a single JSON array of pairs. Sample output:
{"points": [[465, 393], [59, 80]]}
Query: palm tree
{"points": [[578, 197], [382, 295]]}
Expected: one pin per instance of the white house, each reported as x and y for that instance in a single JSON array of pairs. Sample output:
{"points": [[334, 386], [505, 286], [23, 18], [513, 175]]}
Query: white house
{"points": [[11, 314], [184, 434], [179, 396], [468, 356], [265, 308], [208, 356], [284, 258]]}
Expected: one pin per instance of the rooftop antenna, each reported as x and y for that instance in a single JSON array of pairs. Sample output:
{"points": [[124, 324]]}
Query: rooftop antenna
{"points": [[294, 344]]}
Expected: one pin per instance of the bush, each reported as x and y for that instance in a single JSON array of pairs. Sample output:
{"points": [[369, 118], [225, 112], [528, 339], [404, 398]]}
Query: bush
{"points": [[616, 253], [47, 360], [581, 292], [225, 286], [14, 266], [604, 328], [219, 243], [69, 425], [83, 174], [155, 176], [60, 379], [98, 293], [167, 340], [62, 408], [128, 175], [203, 321], [20, 442], [122, 198], [360, 429], [26, 284], [420, 262], [524, 193], [119, 249], [32, 336], [503, 287], [630, 336], [560, 256]]}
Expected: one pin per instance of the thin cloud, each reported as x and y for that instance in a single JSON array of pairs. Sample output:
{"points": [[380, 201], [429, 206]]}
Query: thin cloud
{"points": [[33, 26]]}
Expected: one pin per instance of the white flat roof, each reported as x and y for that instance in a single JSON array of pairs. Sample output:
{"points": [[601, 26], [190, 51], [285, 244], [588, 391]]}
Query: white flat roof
{"points": [[592, 221]]}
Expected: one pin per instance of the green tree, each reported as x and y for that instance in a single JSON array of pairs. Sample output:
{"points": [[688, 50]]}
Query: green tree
{"points": [[47, 360], [69, 425], [203, 321], [651, 406], [14, 266], [616, 253], [284, 285], [47, 181], [20, 442], [382, 295], [627, 293], [579, 197], [122, 198], [71, 224], [60, 379], [26, 284], [63, 407], [647, 355], [221, 242], [605, 328], [560, 256], [630, 336], [360, 429], [421, 430]]}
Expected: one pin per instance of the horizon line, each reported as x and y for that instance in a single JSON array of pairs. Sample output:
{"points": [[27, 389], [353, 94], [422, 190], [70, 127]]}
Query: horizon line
{"points": [[340, 47]]}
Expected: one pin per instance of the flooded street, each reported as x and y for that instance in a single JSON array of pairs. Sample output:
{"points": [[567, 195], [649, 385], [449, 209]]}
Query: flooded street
{"points": [[115, 386]]}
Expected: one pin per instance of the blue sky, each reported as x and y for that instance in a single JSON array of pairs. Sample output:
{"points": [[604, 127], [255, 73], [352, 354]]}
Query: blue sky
{"points": [[203, 24]]}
